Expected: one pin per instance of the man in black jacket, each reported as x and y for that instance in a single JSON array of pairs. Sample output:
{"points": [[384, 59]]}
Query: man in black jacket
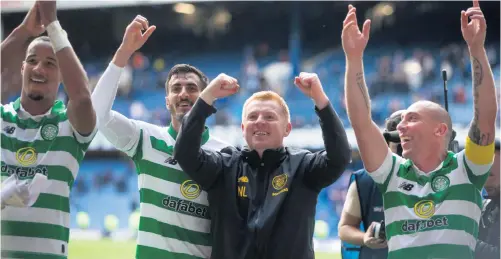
{"points": [[262, 198], [488, 233]]}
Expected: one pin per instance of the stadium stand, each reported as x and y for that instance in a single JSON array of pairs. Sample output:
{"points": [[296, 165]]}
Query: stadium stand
{"points": [[400, 69]]}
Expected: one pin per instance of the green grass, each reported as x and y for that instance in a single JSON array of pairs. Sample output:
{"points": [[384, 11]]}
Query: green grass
{"points": [[107, 249]]}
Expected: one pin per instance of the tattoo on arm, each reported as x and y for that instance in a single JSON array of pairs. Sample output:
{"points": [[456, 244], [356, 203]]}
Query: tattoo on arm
{"points": [[363, 88], [474, 133], [477, 136], [478, 73]]}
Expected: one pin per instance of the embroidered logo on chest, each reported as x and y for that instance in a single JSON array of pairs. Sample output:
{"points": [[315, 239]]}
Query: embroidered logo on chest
{"points": [[49, 131], [440, 183], [279, 183]]}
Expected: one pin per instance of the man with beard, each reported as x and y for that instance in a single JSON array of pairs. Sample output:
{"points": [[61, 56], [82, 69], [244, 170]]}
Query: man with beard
{"points": [[174, 219], [488, 234], [43, 142]]}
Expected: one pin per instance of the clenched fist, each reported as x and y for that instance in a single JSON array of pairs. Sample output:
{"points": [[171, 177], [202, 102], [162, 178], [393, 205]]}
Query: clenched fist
{"points": [[221, 86], [134, 38], [310, 85]]}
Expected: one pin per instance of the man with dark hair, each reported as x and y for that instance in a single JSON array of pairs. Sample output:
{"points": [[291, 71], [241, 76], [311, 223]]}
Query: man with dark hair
{"points": [[488, 233], [186, 69], [174, 219], [364, 204], [43, 142]]}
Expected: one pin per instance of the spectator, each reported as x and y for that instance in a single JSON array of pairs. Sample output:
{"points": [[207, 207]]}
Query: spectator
{"points": [[488, 234]]}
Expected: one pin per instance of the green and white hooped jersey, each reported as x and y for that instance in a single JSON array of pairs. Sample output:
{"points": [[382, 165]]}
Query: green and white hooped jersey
{"points": [[174, 218], [435, 215], [49, 145]]}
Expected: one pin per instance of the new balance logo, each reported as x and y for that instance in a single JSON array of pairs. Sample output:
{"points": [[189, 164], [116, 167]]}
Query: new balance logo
{"points": [[9, 129], [170, 161], [406, 186]]}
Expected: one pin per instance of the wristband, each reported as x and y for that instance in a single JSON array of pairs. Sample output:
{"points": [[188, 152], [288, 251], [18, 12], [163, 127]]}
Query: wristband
{"points": [[58, 36]]}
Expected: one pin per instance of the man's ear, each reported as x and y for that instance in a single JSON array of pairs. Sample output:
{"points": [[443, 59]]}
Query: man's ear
{"points": [[167, 103], [441, 130], [288, 129]]}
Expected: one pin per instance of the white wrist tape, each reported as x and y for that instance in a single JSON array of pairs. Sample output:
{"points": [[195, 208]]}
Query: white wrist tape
{"points": [[58, 36]]}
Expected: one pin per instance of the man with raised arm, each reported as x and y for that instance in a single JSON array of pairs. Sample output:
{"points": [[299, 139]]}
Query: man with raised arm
{"points": [[432, 197], [174, 219], [43, 142], [263, 196]]}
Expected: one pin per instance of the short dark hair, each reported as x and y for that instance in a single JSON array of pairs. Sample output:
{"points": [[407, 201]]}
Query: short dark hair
{"points": [[184, 69], [36, 39], [41, 38]]}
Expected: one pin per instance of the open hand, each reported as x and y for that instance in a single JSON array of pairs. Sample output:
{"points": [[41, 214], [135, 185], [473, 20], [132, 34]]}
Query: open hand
{"points": [[474, 31], [32, 23], [134, 38], [354, 41], [48, 11]]}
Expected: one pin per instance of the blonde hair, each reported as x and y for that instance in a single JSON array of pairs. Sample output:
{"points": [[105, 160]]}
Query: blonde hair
{"points": [[268, 96]]}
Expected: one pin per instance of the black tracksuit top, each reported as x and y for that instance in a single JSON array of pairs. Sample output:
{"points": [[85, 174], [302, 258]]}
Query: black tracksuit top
{"points": [[262, 208]]}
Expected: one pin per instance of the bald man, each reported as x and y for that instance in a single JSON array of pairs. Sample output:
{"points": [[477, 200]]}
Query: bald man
{"points": [[432, 197]]}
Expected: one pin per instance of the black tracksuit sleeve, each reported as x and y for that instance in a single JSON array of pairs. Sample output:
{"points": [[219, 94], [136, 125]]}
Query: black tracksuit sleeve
{"points": [[326, 166], [486, 251], [203, 166]]}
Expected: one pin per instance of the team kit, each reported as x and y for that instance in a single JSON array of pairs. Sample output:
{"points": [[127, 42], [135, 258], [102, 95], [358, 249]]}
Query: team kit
{"points": [[202, 198]]}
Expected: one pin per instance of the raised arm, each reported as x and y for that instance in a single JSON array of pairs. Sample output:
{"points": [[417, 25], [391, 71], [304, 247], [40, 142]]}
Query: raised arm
{"points": [[80, 111], [13, 51], [482, 128], [203, 166], [325, 166], [371, 143], [119, 130]]}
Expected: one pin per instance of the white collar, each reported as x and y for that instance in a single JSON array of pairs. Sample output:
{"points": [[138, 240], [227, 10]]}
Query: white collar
{"points": [[418, 171], [23, 114]]}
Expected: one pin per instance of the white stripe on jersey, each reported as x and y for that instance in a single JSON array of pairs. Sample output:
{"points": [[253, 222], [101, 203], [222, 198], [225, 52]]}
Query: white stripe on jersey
{"points": [[432, 237], [36, 245], [173, 218], [37, 215], [172, 245]]}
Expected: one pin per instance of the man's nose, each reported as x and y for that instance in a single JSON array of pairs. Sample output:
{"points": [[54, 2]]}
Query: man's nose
{"points": [[183, 92], [39, 69], [401, 127], [260, 120]]}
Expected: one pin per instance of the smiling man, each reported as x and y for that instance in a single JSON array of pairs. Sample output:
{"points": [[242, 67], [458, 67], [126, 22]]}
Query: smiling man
{"points": [[432, 197], [43, 142], [174, 222], [263, 197]]}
